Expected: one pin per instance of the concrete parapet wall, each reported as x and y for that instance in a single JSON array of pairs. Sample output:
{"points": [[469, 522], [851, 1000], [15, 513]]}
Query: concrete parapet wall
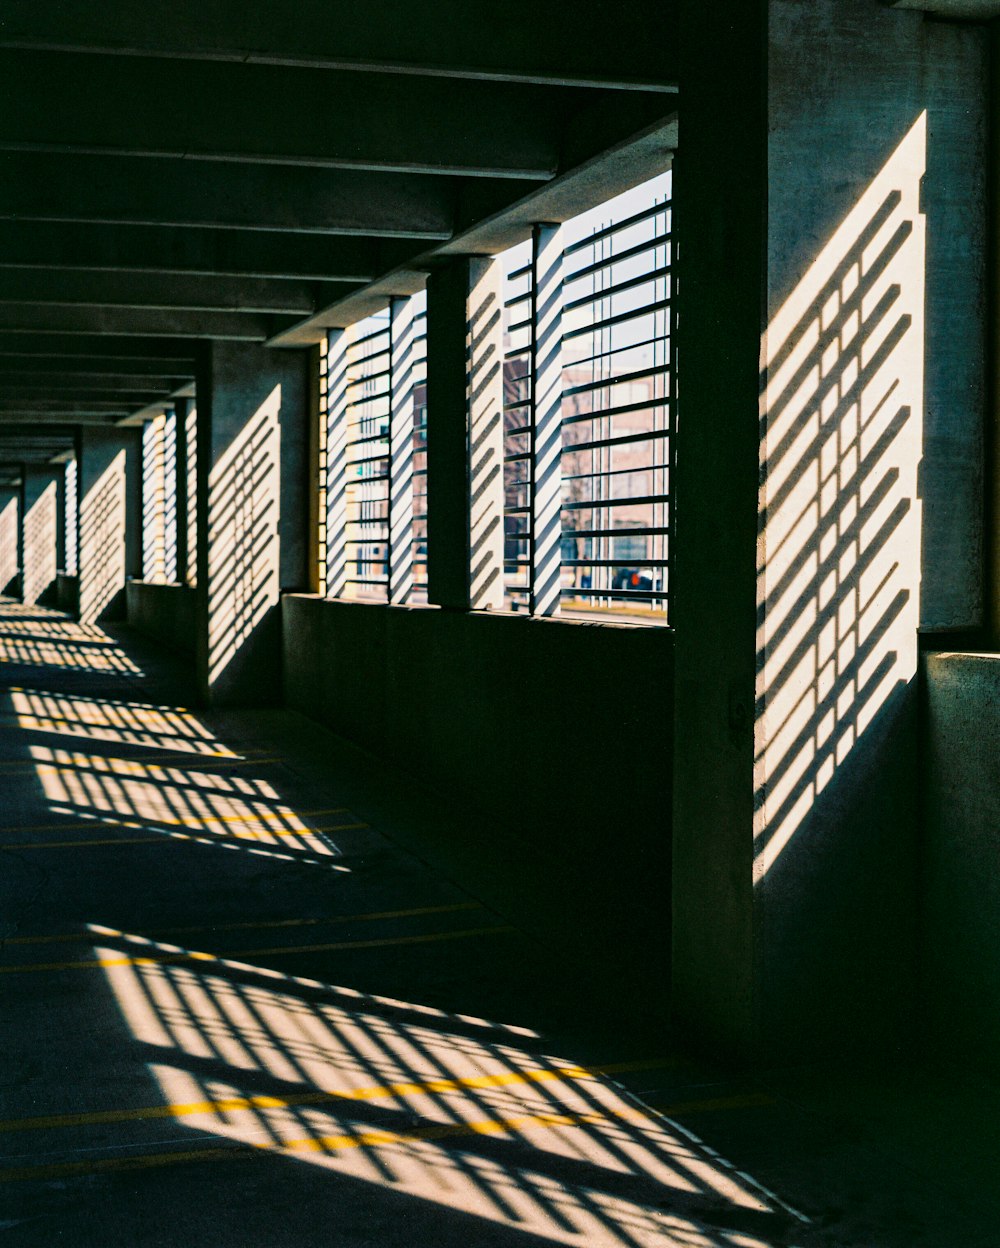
{"points": [[68, 592], [554, 735], [164, 612], [961, 869]]}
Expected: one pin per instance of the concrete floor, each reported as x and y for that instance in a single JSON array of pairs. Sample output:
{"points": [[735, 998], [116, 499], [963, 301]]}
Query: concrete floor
{"points": [[240, 1009]]}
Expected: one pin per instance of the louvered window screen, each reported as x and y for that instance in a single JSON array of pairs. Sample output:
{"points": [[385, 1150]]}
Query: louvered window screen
{"points": [[367, 457], [518, 318], [614, 291], [373, 457]]}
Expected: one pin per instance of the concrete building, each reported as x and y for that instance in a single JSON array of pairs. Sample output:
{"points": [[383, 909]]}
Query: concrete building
{"points": [[561, 905]]}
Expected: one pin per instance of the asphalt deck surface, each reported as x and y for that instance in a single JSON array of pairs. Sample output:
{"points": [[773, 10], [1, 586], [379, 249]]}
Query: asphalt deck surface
{"points": [[239, 1006]]}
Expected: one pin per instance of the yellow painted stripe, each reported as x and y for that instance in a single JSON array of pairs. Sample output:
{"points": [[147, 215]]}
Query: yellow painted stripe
{"points": [[335, 1143], [107, 818], [190, 762], [176, 838], [171, 959], [90, 938], [319, 1096]]}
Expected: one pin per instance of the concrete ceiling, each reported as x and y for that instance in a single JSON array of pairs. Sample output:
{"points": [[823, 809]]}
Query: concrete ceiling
{"points": [[217, 169], [974, 9]]}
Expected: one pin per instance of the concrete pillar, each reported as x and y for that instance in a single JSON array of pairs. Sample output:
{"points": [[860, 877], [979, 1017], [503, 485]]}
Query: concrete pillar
{"points": [[71, 517], [61, 517], [464, 436], [316, 523], [484, 352], [41, 524], [170, 473], [402, 347], [334, 399], [546, 444], [253, 453], [153, 500], [110, 536], [817, 367], [10, 512], [182, 452]]}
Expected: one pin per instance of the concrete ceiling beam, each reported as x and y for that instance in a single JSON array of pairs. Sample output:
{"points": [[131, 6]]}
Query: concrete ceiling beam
{"points": [[268, 114], [103, 348], [591, 43], [55, 378], [51, 396], [19, 416], [202, 252], [164, 291], [120, 190], [142, 322]]}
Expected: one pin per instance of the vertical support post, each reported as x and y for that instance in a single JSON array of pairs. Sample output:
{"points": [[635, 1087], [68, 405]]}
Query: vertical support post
{"points": [[10, 508], [110, 541], [316, 468], [546, 475], [152, 500], [22, 472], [170, 496], [401, 396], [61, 519], [40, 540], [181, 499], [336, 463], [484, 352], [252, 463], [448, 436], [465, 435]]}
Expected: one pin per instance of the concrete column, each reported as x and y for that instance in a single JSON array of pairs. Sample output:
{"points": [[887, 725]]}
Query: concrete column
{"points": [[401, 396], [40, 540], [61, 517], [182, 502], [170, 497], [10, 511], [816, 371], [464, 436], [153, 498], [71, 517], [336, 462], [546, 444], [110, 537], [316, 525], [484, 352], [253, 452]]}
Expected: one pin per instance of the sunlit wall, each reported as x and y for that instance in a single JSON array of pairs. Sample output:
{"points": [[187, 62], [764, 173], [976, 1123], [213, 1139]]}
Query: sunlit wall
{"points": [[9, 507], [40, 537], [110, 518], [252, 469]]}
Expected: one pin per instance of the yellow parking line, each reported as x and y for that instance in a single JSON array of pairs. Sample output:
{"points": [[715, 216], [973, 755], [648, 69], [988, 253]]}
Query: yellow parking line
{"points": [[172, 959], [83, 937], [189, 759], [340, 1142], [319, 1096], [177, 838], [97, 820]]}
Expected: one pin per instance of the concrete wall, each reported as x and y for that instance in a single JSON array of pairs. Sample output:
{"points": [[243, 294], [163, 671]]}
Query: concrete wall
{"points": [[167, 613], [554, 736], [828, 499], [961, 868], [68, 592]]}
